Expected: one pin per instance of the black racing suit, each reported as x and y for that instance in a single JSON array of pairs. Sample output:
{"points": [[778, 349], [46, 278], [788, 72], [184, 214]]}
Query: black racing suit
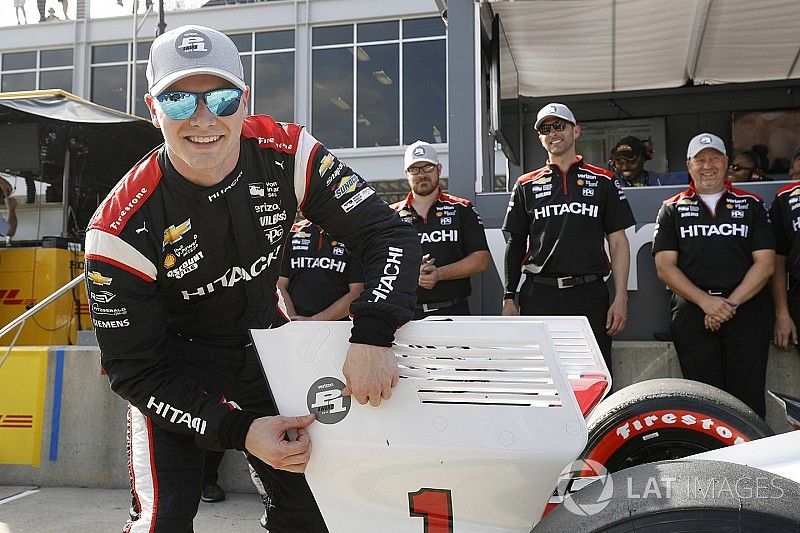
{"points": [[177, 274]]}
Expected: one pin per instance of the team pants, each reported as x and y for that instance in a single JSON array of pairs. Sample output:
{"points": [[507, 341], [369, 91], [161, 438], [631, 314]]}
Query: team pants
{"points": [[589, 300], [734, 358], [167, 469]]}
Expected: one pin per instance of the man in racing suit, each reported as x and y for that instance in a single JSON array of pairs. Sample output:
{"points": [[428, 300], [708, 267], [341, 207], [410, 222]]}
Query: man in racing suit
{"points": [[182, 259]]}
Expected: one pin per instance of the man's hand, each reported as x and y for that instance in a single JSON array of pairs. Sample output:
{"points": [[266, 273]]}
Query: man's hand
{"points": [[266, 439], [370, 373], [510, 308], [428, 274], [712, 323], [719, 308], [617, 316], [785, 331]]}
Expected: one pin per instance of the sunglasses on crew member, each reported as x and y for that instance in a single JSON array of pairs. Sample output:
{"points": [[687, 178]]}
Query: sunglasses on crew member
{"points": [[736, 167], [558, 125], [180, 105]]}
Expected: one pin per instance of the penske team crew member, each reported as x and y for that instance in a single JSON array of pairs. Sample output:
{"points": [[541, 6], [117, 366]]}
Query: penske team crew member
{"points": [[182, 259], [319, 278], [450, 231], [786, 224], [715, 250], [559, 217]]}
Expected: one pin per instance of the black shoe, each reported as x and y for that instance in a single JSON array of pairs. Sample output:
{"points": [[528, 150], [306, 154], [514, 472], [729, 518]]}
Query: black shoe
{"points": [[213, 493]]}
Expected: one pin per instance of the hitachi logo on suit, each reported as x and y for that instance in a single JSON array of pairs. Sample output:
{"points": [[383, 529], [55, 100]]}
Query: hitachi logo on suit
{"points": [[318, 262], [576, 208], [709, 230], [234, 275], [439, 235], [176, 416], [390, 272]]}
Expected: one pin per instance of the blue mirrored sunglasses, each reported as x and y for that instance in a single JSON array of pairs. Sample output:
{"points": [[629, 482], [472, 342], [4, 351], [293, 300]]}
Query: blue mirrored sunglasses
{"points": [[180, 105]]}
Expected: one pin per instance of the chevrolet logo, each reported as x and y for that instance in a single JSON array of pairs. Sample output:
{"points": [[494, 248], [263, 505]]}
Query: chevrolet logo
{"points": [[302, 234], [325, 164], [542, 180], [98, 279], [687, 201], [174, 233], [795, 192]]}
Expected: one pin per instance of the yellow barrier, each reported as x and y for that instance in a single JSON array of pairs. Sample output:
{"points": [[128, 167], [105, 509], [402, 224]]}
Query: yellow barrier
{"points": [[22, 385]]}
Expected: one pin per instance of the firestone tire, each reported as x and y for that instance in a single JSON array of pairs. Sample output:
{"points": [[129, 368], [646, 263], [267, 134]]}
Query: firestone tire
{"points": [[686, 496], [667, 418]]}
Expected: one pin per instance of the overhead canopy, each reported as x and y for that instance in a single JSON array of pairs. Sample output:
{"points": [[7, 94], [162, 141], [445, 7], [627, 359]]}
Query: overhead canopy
{"points": [[595, 46], [39, 127]]}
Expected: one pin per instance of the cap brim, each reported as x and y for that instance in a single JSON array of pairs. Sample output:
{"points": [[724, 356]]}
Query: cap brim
{"points": [[538, 122], [166, 81], [421, 159]]}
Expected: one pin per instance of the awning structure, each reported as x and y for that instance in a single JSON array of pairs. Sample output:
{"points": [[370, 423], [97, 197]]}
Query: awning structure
{"points": [[46, 132], [596, 46]]}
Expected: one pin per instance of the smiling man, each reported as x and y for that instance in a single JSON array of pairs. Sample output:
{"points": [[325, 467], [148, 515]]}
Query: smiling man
{"points": [[715, 250], [182, 259], [559, 218]]}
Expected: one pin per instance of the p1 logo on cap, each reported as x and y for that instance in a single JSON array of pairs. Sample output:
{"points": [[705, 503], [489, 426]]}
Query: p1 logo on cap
{"points": [[552, 109], [418, 151], [193, 44], [325, 400], [705, 139]]}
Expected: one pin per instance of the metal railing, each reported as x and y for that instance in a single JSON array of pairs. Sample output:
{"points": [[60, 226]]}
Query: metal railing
{"points": [[20, 320]]}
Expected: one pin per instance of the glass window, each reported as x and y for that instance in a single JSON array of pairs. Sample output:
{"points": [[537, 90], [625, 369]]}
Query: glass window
{"points": [[19, 60], [378, 31], [274, 86], [246, 64], [274, 40], [24, 81], [332, 35], [141, 89], [332, 97], [143, 50], [56, 79], [379, 97], [109, 53], [424, 92], [428, 27], [110, 86], [243, 41], [55, 58]]}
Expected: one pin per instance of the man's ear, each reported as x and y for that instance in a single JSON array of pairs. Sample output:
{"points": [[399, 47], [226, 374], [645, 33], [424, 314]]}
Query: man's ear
{"points": [[577, 130], [151, 105]]}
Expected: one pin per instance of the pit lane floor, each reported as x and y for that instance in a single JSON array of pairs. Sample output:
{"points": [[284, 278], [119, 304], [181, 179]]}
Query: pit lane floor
{"points": [[26, 509]]}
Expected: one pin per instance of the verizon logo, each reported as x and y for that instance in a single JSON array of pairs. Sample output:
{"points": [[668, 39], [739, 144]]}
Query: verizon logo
{"points": [[16, 421]]}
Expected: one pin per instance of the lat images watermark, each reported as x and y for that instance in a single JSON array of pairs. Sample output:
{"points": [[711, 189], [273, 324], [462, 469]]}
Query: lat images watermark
{"points": [[577, 475], [705, 488]]}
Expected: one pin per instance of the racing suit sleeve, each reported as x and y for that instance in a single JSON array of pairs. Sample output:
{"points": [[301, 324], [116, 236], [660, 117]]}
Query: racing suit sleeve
{"points": [[339, 200], [130, 324], [515, 255], [763, 236], [617, 214]]}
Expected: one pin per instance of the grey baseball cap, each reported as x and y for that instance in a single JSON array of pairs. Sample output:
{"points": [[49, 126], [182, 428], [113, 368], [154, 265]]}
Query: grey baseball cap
{"points": [[420, 151], [554, 109], [703, 141], [190, 50]]}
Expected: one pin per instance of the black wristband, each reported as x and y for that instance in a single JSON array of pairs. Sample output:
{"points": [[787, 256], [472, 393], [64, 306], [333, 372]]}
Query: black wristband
{"points": [[234, 427], [509, 295]]}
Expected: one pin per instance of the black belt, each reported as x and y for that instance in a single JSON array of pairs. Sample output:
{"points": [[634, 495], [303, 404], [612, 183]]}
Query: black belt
{"points": [[565, 282], [435, 306]]}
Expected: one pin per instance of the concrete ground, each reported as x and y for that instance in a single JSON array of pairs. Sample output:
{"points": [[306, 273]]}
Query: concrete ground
{"points": [[28, 509]]}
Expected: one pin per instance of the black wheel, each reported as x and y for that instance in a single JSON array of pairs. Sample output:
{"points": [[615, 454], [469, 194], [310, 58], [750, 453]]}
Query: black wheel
{"points": [[669, 418], [685, 496]]}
